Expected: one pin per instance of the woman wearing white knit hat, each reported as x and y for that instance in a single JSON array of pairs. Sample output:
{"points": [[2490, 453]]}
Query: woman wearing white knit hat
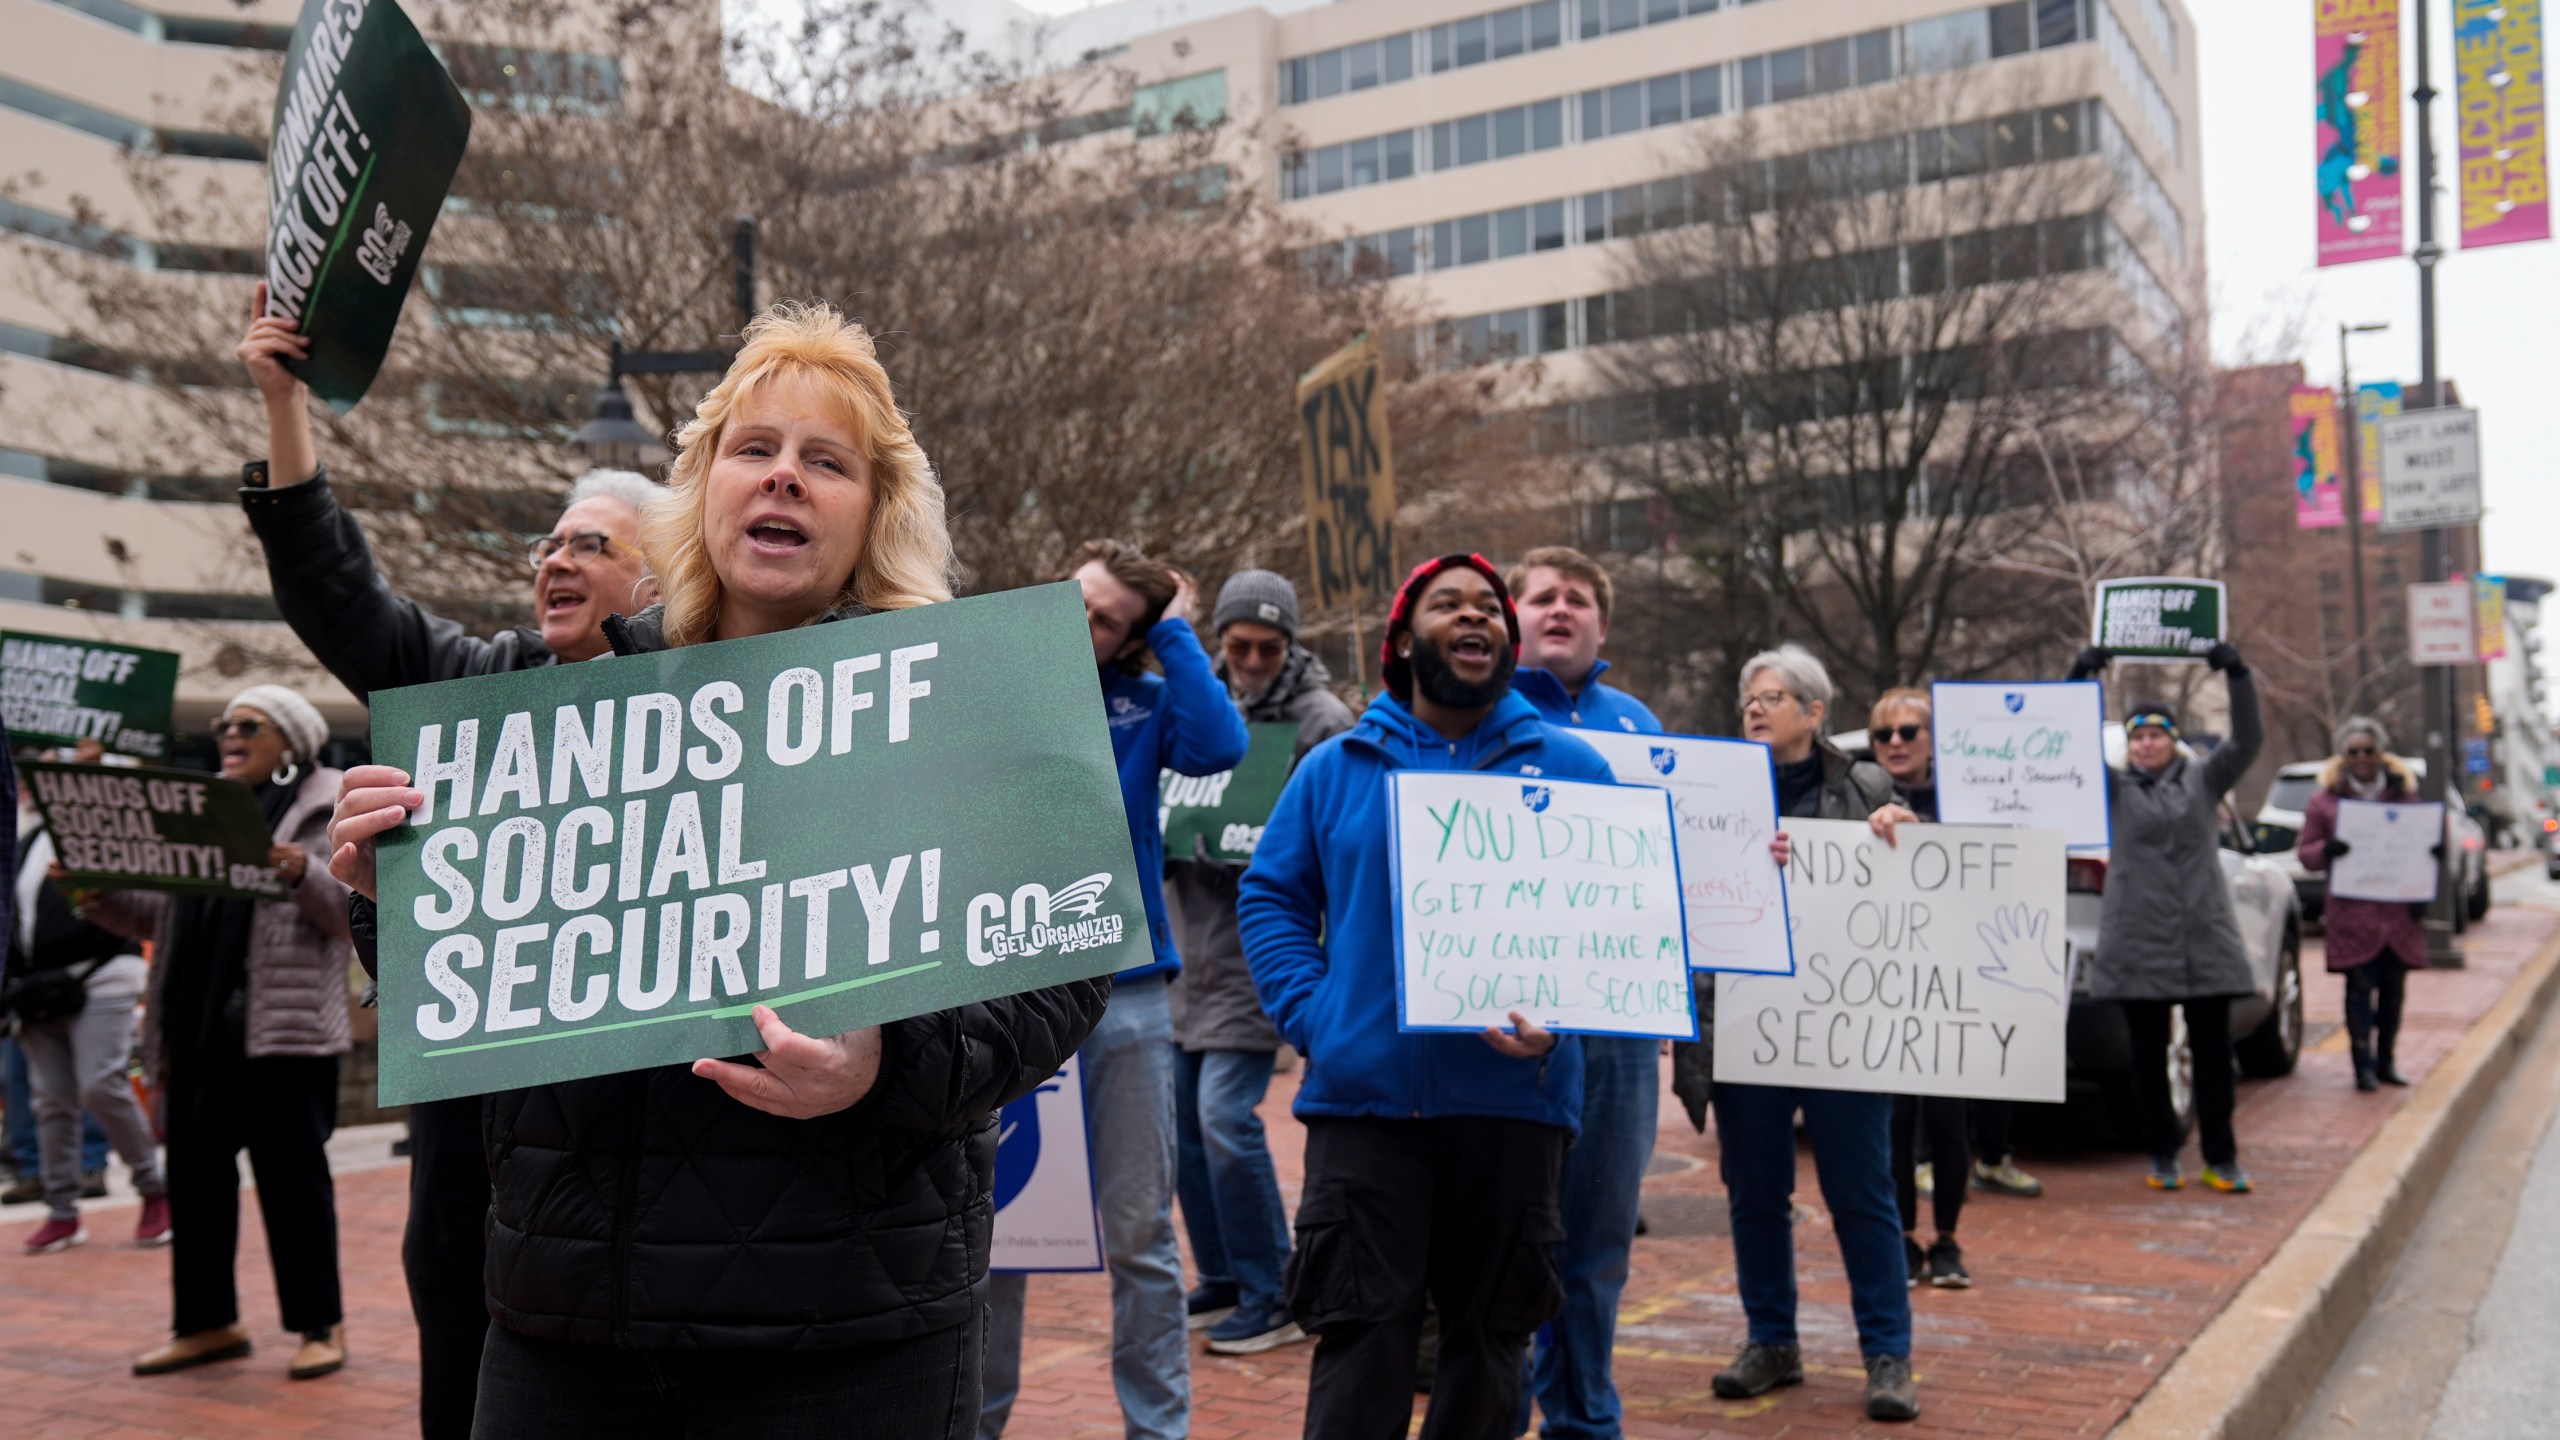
{"points": [[246, 1021]]}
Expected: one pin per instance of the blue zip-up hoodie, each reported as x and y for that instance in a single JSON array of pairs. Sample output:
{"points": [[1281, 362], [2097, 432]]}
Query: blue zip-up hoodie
{"points": [[1181, 720], [1598, 707], [1317, 912]]}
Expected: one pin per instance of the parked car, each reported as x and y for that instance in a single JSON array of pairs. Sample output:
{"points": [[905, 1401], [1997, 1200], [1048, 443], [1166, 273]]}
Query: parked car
{"points": [[2279, 827], [2266, 1025]]}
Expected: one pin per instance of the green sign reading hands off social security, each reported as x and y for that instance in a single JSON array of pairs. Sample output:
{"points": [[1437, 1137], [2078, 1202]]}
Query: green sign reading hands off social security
{"points": [[852, 823]]}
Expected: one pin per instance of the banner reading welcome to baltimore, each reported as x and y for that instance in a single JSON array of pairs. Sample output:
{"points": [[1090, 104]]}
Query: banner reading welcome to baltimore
{"points": [[852, 823]]}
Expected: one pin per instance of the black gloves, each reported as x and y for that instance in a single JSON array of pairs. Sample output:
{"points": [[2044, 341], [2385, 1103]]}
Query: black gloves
{"points": [[2091, 661], [2225, 656], [2437, 850], [2337, 848]]}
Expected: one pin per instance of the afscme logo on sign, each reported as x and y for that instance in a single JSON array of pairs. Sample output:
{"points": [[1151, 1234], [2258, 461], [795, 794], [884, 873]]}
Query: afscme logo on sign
{"points": [[1030, 924]]}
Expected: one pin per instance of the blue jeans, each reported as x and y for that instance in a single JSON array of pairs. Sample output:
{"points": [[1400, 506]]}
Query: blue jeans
{"points": [[1603, 1175], [1852, 1137], [25, 1151], [1128, 1105], [1230, 1192]]}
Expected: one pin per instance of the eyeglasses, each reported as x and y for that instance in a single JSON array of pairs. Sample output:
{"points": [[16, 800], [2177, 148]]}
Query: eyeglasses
{"points": [[1767, 700], [1239, 648], [585, 545], [240, 729], [1904, 733], [2353, 751]]}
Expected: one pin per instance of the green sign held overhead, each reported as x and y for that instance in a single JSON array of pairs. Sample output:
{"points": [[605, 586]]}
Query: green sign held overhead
{"points": [[369, 131], [118, 828], [1220, 817], [852, 823], [55, 691], [2160, 618]]}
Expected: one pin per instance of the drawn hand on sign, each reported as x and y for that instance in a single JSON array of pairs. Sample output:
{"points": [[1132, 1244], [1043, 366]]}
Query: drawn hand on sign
{"points": [[801, 1076], [2022, 952]]}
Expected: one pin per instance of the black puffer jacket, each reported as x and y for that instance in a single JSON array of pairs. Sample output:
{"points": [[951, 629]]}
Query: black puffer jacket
{"points": [[651, 1211]]}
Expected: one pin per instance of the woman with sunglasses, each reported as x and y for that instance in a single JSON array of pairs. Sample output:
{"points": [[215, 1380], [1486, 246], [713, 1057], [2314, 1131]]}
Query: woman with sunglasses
{"points": [[243, 1025], [2374, 943]]}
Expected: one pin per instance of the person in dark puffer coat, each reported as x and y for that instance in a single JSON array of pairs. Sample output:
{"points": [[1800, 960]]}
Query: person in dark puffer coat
{"points": [[798, 1246]]}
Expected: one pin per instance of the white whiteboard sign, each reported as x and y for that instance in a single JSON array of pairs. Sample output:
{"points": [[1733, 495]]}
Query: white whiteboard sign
{"points": [[2031, 753], [2430, 468], [1724, 807], [2390, 851], [1936, 967], [1044, 1180], [2440, 623], [1556, 898]]}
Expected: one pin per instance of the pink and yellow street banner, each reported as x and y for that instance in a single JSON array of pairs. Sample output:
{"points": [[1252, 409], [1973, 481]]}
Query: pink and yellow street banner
{"points": [[2373, 402], [2506, 167], [2319, 500], [2356, 62], [2489, 604]]}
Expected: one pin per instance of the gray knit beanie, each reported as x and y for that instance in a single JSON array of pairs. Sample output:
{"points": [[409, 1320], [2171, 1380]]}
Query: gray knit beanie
{"points": [[1259, 596], [304, 731]]}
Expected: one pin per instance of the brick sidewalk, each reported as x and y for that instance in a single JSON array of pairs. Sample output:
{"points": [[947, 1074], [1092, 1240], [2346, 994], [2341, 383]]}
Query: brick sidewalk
{"points": [[2081, 1300]]}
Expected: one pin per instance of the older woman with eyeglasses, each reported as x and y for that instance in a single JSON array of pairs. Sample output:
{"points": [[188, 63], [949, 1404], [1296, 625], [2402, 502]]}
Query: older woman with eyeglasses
{"points": [[797, 1246], [2374, 943]]}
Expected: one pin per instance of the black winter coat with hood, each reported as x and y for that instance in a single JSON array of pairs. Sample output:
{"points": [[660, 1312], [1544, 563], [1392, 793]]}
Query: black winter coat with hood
{"points": [[649, 1210]]}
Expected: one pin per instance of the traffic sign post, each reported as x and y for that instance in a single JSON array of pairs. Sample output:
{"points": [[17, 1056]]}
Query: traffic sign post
{"points": [[2440, 624], [2430, 469]]}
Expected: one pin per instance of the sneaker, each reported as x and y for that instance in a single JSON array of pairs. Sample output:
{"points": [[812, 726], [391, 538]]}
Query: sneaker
{"points": [[55, 1236], [152, 1229], [2230, 1180], [1206, 1305], [1917, 1258], [22, 1190], [1891, 1392], [1924, 1178], [323, 1352], [1946, 1265], [1760, 1369], [1250, 1332], [93, 1184], [2006, 1178], [2164, 1174]]}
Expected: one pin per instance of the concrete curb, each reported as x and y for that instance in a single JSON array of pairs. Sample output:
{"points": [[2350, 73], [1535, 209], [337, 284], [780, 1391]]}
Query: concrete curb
{"points": [[2261, 1360]]}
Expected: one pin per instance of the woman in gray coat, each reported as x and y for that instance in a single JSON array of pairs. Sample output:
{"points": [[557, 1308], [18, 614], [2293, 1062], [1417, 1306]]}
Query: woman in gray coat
{"points": [[2167, 936]]}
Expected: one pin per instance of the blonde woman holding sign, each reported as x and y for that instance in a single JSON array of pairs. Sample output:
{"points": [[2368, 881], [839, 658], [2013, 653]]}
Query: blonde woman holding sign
{"points": [[798, 1245]]}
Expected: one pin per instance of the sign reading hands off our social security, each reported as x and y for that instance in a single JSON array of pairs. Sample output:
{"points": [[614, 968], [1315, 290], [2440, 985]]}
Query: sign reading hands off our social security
{"points": [[1724, 805], [1936, 966], [2014, 753], [1556, 898], [852, 823]]}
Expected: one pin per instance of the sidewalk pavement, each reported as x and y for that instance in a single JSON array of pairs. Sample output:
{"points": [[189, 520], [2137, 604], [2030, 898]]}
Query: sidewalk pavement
{"points": [[2081, 1299]]}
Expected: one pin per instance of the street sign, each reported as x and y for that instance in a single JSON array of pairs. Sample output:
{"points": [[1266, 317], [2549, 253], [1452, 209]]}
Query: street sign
{"points": [[2440, 617], [2430, 468]]}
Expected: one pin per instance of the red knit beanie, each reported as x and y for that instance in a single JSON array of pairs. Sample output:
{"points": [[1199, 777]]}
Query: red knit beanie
{"points": [[1397, 671]]}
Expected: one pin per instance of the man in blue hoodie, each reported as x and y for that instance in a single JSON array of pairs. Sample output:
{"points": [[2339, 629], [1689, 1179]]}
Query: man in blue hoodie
{"points": [[1183, 721], [1432, 1159], [1565, 599]]}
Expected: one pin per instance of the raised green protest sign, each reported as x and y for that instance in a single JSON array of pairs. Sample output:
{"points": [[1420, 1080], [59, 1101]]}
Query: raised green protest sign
{"points": [[1221, 816], [2160, 618], [55, 691], [368, 132], [851, 823], [118, 828]]}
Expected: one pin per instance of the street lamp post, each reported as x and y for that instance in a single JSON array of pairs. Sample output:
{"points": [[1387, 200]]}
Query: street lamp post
{"points": [[612, 437], [2352, 422], [2435, 696]]}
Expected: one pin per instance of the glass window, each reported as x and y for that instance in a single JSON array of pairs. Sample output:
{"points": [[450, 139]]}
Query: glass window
{"points": [[1475, 239], [1324, 74], [1552, 335], [1665, 100], [1510, 33], [1595, 119], [1706, 92], [1466, 42], [1786, 75], [1626, 211], [1360, 67], [1657, 11], [1949, 42], [1444, 145], [1400, 256], [1475, 140], [2013, 140], [1362, 162], [1293, 81], [1701, 7], [1546, 24], [1589, 17], [2059, 135], [1510, 132], [2009, 29], [1833, 68], [2066, 245], [1328, 169], [1968, 149], [1626, 108], [1194, 101], [1546, 225], [1751, 75], [1624, 15], [1666, 204], [1297, 177], [1439, 48], [1444, 244], [1511, 233], [1927, 264], [1399, 157], [1546, 125], [1396, 61], [2057, 23], [1875, 56]]}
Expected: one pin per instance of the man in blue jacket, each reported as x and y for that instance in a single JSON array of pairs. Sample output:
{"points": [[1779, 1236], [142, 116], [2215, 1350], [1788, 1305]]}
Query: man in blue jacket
{"points": [[1181, 721], [1432, 1159], [1564, 620]]}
